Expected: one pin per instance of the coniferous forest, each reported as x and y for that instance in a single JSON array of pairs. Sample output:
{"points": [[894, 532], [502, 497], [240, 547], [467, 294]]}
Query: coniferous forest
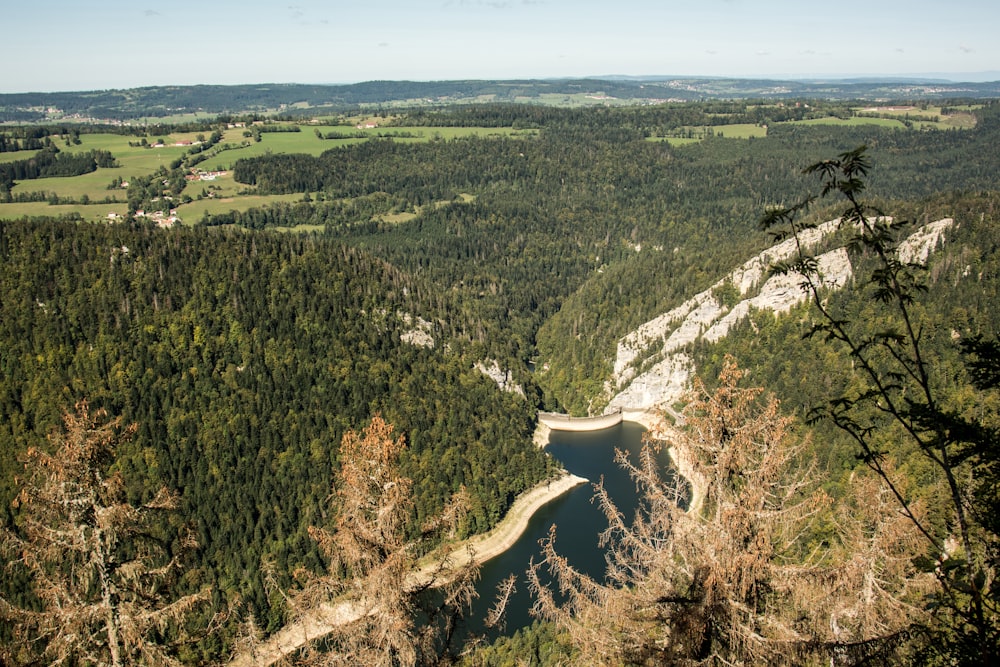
{"points": [[244, 353]]}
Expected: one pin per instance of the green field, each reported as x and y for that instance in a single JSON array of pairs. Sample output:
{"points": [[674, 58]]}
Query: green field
{"points": [[577, 100], [916, 118], [928, 117], [89, 212], [852, 121], [694, 134], [196, 210], [216, 196], [223, 194], [16, 155], [222, 186]]}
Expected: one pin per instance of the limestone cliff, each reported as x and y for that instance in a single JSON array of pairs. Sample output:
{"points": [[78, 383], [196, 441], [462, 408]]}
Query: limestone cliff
{"points": [[651, 366]]}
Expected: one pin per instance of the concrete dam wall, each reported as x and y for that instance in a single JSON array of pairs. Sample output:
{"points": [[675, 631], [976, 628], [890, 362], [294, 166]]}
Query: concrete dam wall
{"points": [[559, 422]]}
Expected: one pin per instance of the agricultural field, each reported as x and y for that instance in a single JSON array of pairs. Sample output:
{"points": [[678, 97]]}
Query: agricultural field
{"points": [[196, 210], [901, 118], [88, 212], [89, 196], [579, 100], [694, 134], [852, 121], [92, 196], [927, 116], [15, 155]]}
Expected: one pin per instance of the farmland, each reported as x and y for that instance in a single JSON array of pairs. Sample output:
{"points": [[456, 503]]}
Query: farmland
{"points": [[207, 165], [897, 117], [91, 196]]}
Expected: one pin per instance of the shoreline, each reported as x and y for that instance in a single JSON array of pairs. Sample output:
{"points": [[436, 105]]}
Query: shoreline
{"points": [[515, 522], [485, 547], [654, 422], [480, 548]]}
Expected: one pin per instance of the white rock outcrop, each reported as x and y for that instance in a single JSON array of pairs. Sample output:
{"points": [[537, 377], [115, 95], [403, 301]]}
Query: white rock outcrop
{"points": [[683, 324], [666, 377], [420, 334], [668, 380], [491, 369], [920, 244]]}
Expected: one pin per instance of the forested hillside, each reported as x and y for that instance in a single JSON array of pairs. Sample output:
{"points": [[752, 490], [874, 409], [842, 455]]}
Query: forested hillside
{"points": [[582, 233], [244, 353], [752, 176], [244, 358]]}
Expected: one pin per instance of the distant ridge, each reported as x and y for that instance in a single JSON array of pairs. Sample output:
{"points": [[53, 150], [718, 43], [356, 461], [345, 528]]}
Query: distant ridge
{"points": [[918, 77], [152, 102]]}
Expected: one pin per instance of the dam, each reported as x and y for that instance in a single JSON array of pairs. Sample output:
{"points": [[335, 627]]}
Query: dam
{"points": [[561, 422]]}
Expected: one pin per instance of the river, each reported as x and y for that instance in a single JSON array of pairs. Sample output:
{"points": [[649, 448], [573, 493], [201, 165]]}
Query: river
{"points": [[579, 521]]}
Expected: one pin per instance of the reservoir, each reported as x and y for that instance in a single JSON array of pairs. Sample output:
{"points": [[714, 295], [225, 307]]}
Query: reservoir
{"points": [[579, 522]]}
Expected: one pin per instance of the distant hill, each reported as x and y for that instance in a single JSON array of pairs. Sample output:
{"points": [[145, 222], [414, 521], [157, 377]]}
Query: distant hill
{"points": [[163, 101]]}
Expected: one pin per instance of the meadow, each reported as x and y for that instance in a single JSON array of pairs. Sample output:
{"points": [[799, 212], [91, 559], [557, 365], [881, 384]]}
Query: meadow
{"points": [[91, 197], [88, 195], [928, 117], [901, 118], [694, 134]]}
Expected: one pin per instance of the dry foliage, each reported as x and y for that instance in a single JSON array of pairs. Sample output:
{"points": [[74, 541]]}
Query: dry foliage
{"points": [[100, 575], [730, 581], [374, 580]]}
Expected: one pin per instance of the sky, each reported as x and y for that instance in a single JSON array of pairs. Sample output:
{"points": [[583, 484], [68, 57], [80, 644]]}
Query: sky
{"points": [[71, 45]]}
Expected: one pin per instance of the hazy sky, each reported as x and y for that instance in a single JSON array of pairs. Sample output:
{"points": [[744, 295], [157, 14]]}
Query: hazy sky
{"points": [[49, 45]]}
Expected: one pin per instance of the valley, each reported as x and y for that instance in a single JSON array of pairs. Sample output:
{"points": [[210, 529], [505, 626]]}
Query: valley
{"points": [[253, 288]]}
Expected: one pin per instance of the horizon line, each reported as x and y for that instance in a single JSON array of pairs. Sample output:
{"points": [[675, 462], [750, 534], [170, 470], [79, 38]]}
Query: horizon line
{"points": [[978, 77]]}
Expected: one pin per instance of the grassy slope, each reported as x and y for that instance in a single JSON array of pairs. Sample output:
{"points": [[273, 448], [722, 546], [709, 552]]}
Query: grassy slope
{"points": [[141, 161]]}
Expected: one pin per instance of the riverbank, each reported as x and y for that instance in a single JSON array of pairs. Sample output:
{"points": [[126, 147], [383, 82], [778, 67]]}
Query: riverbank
{"points": [[480, 548]]}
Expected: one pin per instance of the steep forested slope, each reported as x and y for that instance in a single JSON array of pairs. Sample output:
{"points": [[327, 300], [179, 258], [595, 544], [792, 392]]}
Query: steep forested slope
{"points": [[805, 372], [244, 354], [244, 358], [715, 191]]}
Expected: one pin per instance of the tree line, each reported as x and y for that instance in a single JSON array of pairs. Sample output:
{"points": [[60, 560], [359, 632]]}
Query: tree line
{"points": [[50, 162]]}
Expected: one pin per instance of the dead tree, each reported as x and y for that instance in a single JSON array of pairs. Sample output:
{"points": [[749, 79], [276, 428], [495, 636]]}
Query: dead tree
{"points": [[900, 388], [375, 581], [100, 570], [728, 581]]}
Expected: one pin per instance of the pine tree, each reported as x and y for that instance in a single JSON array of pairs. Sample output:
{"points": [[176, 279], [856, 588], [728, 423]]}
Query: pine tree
{"points": [[99, 567]]}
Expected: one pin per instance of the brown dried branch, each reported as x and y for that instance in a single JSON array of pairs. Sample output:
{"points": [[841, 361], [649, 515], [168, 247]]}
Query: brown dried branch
{"points": [[726, 584], [100, 577], [378, 599]]}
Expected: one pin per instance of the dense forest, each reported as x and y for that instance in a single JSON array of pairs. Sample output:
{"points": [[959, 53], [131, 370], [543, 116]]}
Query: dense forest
{"points": [[593, 205], [244, 354], [243, 359]]}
